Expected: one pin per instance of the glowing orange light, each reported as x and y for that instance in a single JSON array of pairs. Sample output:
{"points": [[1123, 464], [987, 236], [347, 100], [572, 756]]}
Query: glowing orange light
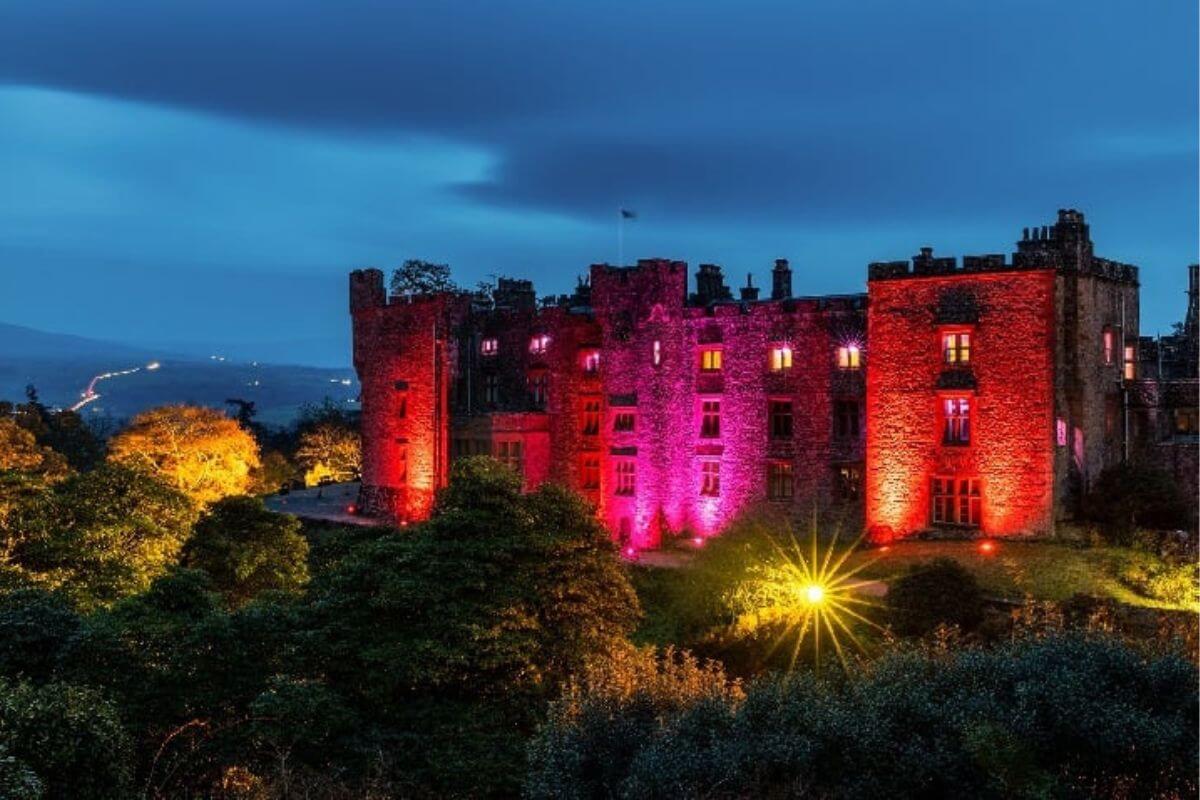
{"points": [[698, 541], [885, 548], [987, 547], [350, 509]]}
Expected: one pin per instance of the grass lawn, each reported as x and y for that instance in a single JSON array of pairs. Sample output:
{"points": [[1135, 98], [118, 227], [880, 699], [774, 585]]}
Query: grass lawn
{"points": [[1043, 570]]}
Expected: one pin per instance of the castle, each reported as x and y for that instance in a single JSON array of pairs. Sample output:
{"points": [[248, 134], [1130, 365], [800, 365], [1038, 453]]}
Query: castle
{"points": [[984, 396]]}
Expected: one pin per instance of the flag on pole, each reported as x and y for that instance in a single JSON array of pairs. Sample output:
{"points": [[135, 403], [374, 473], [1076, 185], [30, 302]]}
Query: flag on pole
{"points": [[627, 214]]}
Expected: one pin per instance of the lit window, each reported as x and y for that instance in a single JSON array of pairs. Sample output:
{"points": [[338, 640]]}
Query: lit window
{"points": [[591, 362], [781, 419], [509, 453], [591, 418], [1187, 422], [539, 388], [957, 428], [1108, 346], [849, 357], [491, 389], [624, 421], [539, 343], [1060, 432], [591, 473], [779, 480], [956, 348], [657, 353], [781, 358], [625, 478], [846, 419], [847, 482], [956, 501], [710, 359], [489, 347], [710, 478], [710, 419], [1130, 362]]}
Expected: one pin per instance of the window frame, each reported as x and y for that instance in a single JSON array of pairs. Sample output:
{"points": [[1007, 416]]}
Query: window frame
{"points": [[624, 477], [781, 480], [956, 344], [948, 508], [849, 357], [775, 408], [489, 347], [710, 478], [712, 359], [957, 420], [780, 357], [710, 417]]}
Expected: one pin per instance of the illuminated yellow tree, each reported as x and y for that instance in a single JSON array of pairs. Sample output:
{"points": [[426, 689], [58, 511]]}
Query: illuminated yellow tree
{"points": [[330, 450], [26, 467], [199, 451]]}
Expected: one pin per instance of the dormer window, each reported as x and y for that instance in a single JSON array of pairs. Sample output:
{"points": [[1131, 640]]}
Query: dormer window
{"points": [[956, 348], [539, 343], [849, 356], [710, 359], [781, 357], [591, 361], [489, 347]]}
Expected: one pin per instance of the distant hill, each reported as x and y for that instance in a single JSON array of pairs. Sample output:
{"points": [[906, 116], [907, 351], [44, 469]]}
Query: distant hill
{"points": [[61, 365]]}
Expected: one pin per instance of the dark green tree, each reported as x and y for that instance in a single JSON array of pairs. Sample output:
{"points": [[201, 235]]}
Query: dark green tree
{"points": [[421, 277], [247, 550], [452, 635], [36, 630], [70, 737]]}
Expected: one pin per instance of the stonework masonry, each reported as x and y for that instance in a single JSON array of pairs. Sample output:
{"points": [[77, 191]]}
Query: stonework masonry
{"points": [[981, 397]]}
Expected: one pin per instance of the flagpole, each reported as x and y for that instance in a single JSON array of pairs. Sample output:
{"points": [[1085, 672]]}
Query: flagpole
{"points": [[621, 237]]}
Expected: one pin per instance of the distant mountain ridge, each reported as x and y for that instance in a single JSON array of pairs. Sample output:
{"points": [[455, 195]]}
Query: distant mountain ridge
{"points": [[60, 366]]}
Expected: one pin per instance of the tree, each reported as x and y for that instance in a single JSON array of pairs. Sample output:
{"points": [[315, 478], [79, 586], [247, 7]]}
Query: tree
{"points": [[454, 633], [421, 277], [199, 451], [36, 628], [99, 535], [330, 450], [70, 737], [274, 472], [20, 452], [247, 550], [26, 468], [63, 431]]}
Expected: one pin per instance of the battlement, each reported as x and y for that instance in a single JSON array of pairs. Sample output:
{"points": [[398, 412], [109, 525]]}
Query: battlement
{"points": [[925, 263]]}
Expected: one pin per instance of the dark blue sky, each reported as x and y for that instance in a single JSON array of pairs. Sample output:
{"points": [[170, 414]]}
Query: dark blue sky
{"points": [[175, 173]]}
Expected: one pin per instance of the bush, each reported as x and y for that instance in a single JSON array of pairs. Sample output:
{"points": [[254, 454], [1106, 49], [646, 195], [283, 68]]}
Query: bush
{"points": [[1165, 580], [941, 592], [1064, 717], [70, 737], [1128, 496], [247, 550]]}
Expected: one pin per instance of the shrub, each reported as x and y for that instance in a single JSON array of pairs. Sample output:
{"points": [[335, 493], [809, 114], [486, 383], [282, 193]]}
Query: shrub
{"points": [[1063, 717], [1129, 495], [941, 592], [69, 736], [247, 550]]}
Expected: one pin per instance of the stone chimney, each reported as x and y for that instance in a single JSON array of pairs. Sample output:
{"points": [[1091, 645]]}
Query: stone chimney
{"points": [[749, 292], [781, 280]]}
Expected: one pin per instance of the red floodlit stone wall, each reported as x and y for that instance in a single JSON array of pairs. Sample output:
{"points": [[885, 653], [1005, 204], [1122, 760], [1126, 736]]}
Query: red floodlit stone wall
{"points": [[404, 361], [1012, 442]]}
